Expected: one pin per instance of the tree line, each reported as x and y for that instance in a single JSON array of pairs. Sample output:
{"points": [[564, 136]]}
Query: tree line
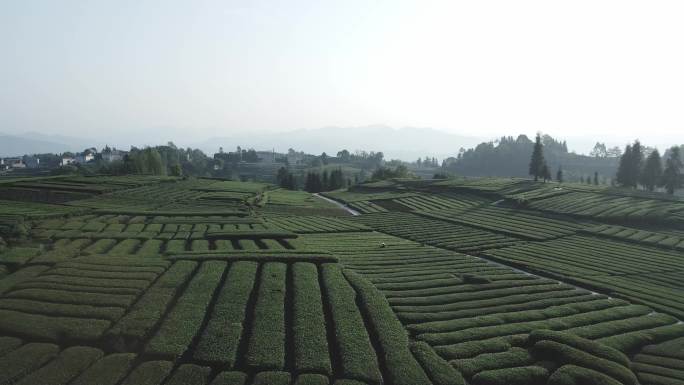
{"points": [[635, 168]]}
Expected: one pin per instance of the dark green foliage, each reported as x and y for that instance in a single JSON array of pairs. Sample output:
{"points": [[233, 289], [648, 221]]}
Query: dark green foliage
{"points": [[64, 368], [585, 345], [146, 313], [537, 161], [629, 170], [60, 309], [190, 374], [230, 378], [185, 319], [566, 354], [439, 371], [18, 255], [401, 365], [19, 276], [7, 344], [272, 378], [220, 339], [576, 375], [652, 174], [266, 347], [312, 379], [58, 329], [489, 361], [25, 360], [672, 176], [310, 335], [632, 341], [357, 356], [149, 373], [525, 375], [107, 371]]}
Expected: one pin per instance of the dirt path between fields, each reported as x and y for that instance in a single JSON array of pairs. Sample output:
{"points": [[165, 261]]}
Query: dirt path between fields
{"points": [[342, 205]]}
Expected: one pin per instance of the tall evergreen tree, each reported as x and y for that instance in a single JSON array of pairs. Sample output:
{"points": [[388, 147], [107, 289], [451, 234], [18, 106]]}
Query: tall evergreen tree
{"points": [[546, 172], [672, 176], [652, 174], [537, 161], [629, 169]]}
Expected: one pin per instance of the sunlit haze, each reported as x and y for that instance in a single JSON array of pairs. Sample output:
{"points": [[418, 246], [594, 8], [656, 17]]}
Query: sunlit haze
{"points": [[187, 71]]}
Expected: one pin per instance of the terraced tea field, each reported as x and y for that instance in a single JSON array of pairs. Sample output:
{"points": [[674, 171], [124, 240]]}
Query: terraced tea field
{"points": [[137, 280]]}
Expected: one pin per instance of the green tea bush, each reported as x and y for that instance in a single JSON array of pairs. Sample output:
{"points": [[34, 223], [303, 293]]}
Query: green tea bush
{"points": [[149, 373], [525, 375], [489, 361], [310, 339], [139, 322], [70, 362], [266, 346], [183, 322], [312, 379], [25, 360], [190, 374], [109, 370], [439, 371], [230, 378], [220, 339], [356, 354], [576, 375], [585, 345], [401, 365], [566, 354], [271, 378]]}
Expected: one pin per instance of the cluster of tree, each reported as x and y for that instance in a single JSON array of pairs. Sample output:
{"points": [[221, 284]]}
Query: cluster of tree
{"points": [[286, 179], [601, 151], [240, 155], [316, 182], [158, 160], [510, 157], [362, 159], [633, 170], [427, 162], [382, 173]]}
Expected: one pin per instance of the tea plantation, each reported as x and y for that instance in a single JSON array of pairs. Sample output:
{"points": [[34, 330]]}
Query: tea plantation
{"points": [[159, 280]]}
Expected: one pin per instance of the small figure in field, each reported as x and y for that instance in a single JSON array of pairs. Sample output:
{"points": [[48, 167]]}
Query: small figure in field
{"points": [[382, 244]]}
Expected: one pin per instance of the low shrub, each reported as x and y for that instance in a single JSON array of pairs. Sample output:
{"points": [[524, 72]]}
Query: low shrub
{"points": [[266, 346], [109, 370], [357, 356], [311, 352], [439, 371], [230, 378], [183, 322], [220, 339], [25, 360], [583, 344], [489, 361], [272, 378], [525, 375], [576, 375], [566, 354], [401, 366], [149, 373], [190, 374], [70, 362]]}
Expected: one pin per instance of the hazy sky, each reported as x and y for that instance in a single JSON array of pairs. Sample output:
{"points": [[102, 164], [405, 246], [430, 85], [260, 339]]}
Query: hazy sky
{"points": [[195, 69]]}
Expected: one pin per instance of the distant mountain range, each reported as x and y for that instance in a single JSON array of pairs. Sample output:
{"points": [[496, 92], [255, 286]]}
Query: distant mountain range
{"points": [[406, 143], [36, 143]]}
